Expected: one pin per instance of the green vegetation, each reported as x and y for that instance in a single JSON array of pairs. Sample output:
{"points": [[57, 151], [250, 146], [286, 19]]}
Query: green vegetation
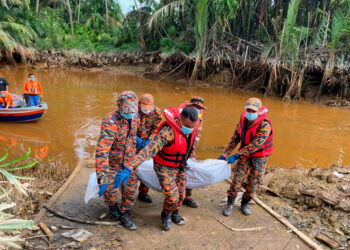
{"points": [[286, 35], [9, 226]]}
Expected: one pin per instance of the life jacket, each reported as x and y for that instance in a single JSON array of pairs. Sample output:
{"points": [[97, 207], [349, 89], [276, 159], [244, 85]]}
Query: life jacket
{"points": [[175, 153], [5, 100], [248, 132], [32, 87]]}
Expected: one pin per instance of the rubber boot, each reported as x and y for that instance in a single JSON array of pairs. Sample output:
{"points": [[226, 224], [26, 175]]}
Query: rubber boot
{"points": [[177, 218], [126, 221], [145, 197], [229, 207], [166, 221], [245, 206], [115, 212], [190, 203]]}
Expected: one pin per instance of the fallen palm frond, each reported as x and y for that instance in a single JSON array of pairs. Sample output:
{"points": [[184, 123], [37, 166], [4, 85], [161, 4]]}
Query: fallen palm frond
{"points": [[9, 226]]}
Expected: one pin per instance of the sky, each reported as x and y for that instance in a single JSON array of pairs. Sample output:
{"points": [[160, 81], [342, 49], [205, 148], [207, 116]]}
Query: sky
{"points": [[126, 5]]}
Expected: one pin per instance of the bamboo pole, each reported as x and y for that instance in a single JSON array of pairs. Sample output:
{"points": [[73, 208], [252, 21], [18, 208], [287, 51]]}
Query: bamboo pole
{"points": [[285, 222]]}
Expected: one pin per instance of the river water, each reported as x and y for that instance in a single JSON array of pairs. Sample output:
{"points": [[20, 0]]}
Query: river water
{"points": [[306, 135]]}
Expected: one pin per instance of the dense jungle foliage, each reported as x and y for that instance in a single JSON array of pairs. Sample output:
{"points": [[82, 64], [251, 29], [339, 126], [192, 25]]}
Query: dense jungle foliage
{"points": [[289, 36]]}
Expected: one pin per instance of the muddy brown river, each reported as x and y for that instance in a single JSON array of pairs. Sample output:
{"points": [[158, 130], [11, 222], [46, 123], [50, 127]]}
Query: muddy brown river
{"points": [[306, 135]]}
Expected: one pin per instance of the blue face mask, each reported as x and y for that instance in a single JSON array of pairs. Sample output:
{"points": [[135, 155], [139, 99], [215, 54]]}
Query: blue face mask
{"points": [[128, 116], [186, 130], [2, 95], [32, 78], [251, 116]]}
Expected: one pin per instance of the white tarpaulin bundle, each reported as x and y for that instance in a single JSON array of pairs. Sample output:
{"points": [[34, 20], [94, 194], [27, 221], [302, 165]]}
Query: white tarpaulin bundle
{"points": [[199, 174]]}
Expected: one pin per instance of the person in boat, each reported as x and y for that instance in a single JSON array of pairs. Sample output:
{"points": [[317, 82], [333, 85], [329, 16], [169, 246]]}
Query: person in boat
{"points": [[4, 85], [33, 90], [115, 150], [170, 148], [198, 103], [150, 118], [6, 100], [254, 133]]}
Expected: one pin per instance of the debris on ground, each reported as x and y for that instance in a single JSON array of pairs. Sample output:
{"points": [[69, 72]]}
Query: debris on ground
{"points": [[46, 231], [53, 228], [78, 234], [328, 241], [103, 216], [316, 201]]}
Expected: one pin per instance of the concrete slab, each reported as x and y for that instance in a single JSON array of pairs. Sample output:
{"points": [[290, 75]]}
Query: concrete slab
{"points": [[202, 230]]}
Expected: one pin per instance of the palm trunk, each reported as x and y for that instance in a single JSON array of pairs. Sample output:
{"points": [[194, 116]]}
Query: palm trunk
{"points": [[142, 41], [195, 69], [293, 81], [106, 5], [37, 7], [143, 44], [327, 73], [70, 17], [78, 6]]}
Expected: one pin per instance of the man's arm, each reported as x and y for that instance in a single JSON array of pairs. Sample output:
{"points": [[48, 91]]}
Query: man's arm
{"points": [[158, 141], [235, 139], [9, 101], [263, 132], [104, 144]]}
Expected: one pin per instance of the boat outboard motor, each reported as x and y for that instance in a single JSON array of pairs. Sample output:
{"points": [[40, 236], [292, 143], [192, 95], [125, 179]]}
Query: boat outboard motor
{"points": [[26, 99]]}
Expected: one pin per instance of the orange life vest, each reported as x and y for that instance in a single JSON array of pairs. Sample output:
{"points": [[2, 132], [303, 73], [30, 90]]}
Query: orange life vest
{"points": [[7, 99], [248, 131], [32, 87], [176, 153]]}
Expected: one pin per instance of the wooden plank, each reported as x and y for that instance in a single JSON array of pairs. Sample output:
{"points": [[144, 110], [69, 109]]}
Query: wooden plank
{"points": [[60, 191]]}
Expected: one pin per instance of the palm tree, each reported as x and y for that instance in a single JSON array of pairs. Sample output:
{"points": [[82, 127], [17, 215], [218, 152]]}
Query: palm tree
{"points": [[211, 17], [14, 36], [340, 28], [201, 35]]}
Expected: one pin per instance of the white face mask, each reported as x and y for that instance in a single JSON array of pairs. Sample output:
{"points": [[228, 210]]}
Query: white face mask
{"points": [[146, 111]]}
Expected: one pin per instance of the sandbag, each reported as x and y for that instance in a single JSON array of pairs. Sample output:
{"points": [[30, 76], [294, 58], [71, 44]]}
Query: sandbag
{"points": [[198, 174]]}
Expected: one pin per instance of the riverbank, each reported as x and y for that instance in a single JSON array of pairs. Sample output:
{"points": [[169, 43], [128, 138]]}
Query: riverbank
{"points": [[266, 77], [316, 201]]}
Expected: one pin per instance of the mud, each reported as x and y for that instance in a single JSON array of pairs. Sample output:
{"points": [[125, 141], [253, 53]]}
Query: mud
{"points": [[317, 201]]}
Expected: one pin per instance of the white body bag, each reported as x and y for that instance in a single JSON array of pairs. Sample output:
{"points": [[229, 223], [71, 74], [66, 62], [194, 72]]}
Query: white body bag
{"points": [[198, 174]]}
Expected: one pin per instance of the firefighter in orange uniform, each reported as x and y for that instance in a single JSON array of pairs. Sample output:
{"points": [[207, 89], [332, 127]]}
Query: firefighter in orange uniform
{"points": [[254, 133], [198, 103], [170, 149]]}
